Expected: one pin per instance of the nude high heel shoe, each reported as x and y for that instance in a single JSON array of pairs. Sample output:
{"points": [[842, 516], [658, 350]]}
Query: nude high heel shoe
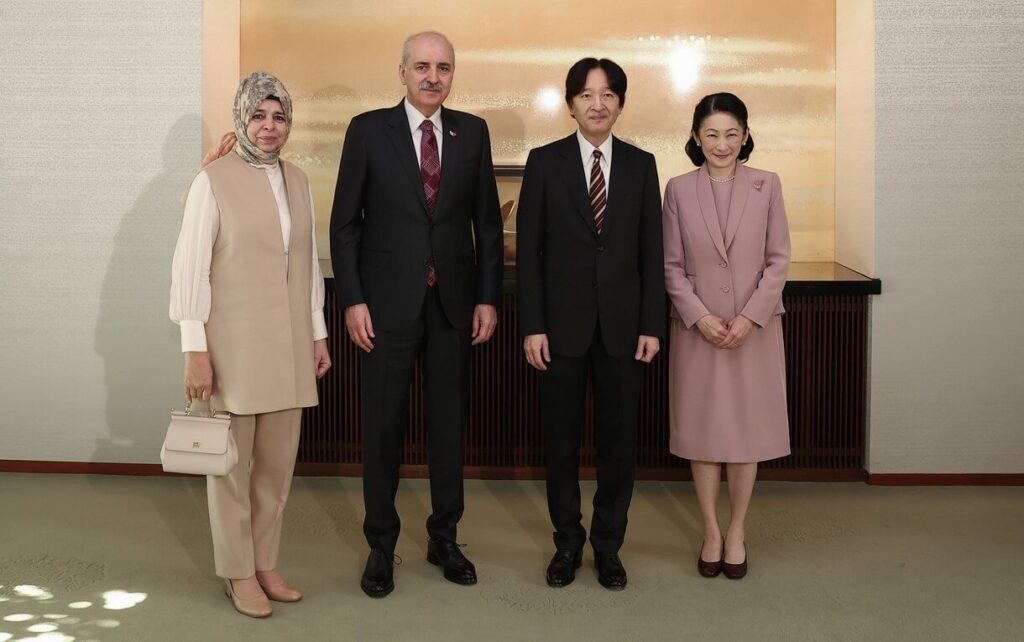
{"points": [[282, 592], [253, 607]]}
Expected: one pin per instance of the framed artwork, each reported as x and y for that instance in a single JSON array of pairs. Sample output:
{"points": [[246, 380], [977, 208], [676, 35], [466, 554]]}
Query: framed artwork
{"points": [[339, 59]]}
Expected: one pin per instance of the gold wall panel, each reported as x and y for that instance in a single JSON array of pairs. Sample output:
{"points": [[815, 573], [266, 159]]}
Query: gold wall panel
{"points": [[341, 58]]}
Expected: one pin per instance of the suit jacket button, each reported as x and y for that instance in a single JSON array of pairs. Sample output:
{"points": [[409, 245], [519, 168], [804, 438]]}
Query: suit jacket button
{"points": [[600, 248], [725, 288], [723, 264]]}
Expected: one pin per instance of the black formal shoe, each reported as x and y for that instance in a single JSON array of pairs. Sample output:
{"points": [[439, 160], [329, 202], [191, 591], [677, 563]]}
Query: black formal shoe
{"points": [[610, 572], [562, 569], [379, 576], [446, 554]]}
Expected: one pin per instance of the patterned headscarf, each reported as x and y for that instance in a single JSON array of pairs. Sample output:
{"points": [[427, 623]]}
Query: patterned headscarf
{"points": [[255, 88]]}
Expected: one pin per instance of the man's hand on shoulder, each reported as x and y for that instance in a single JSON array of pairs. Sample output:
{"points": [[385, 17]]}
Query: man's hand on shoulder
{"points": [[225, 145]]}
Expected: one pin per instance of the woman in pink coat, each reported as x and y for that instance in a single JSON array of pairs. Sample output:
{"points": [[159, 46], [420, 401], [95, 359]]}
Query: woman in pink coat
{"points": [[726, 258]]}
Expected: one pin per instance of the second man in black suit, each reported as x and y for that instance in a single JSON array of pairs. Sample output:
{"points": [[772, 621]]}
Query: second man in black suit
{"points": [[415, 190], [591, 300]]}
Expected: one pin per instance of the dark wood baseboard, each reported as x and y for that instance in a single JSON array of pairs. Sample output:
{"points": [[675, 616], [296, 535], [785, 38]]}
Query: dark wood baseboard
{"points": [[946, 479], [81, 468], [419, 471], [482, 472], [586, 473]]}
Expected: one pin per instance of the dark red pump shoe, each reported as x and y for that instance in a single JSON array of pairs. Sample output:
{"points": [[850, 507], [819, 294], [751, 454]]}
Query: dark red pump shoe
{"points": [[710, 569], [734, 571]]}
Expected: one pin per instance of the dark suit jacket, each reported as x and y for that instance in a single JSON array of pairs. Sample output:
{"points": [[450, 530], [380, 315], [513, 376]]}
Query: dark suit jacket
{"points": [[569, 277], [382, 234]]}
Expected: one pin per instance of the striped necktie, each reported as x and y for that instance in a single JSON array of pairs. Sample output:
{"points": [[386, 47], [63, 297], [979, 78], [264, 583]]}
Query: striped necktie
{"points": [[598, 194]]}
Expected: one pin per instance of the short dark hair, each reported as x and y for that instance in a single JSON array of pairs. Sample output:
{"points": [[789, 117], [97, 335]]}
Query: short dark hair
{"points": [[576, 79], [722, 102]]}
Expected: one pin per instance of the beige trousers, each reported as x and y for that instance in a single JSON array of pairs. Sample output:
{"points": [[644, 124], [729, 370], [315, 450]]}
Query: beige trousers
{"points": [[247, 505]]}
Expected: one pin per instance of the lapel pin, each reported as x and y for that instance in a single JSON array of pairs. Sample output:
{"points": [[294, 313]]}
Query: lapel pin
{"points": [[758, 184], [451, 132]]}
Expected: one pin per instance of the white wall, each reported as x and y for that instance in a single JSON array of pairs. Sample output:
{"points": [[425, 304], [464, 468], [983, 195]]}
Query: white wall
{"points": [[101, 137], [947, 381]]}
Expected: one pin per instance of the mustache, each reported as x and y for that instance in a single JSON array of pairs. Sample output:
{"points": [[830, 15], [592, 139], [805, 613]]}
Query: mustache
{"points": [[433, 86]]}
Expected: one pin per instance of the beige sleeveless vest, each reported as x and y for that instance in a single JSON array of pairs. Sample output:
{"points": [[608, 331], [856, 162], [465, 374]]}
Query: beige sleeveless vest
{"points": [[260, 331]]}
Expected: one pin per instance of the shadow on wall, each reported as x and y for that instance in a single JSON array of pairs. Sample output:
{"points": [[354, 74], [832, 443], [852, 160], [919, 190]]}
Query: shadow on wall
{"points": [[139, 345]]}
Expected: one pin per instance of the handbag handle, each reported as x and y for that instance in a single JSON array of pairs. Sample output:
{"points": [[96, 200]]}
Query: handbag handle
{"points": [[209, 412]]}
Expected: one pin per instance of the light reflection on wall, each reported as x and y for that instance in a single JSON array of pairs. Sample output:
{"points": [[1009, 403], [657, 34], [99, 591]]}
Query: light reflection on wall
{"points": [[549, 100], [340, 59], [684, 65]]}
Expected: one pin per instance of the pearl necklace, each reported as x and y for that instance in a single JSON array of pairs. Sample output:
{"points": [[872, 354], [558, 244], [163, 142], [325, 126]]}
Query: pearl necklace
{"points": [[722, 180]]}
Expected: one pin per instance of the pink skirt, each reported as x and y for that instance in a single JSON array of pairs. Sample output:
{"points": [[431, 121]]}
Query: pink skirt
{"points": [[728, 405]]}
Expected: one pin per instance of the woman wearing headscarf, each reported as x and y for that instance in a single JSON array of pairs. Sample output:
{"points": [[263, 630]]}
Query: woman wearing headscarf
{"points": [[248, 294]]}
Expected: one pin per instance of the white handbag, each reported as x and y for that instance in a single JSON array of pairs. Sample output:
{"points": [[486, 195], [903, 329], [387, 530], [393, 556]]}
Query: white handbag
{"points": [[199, 445]]}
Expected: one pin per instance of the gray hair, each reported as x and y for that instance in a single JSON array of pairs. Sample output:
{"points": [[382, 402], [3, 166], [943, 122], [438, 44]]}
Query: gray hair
{"points": [[407, 45]]}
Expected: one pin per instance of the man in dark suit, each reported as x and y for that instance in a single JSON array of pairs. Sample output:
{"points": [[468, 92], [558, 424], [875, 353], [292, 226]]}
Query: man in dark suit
{"points": [[591, 299], [415, 189]]}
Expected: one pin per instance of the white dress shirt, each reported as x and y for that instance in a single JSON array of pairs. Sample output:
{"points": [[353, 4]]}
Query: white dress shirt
{"points": [[415, 120], [587, 154], [190, 269]]}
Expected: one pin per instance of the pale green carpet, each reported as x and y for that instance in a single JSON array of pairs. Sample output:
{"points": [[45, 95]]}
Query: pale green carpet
{"points": [[129, 558]]}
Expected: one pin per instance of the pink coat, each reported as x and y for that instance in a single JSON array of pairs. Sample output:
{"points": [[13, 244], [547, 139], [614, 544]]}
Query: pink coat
{"points": [[727, 405], [741, 271]]}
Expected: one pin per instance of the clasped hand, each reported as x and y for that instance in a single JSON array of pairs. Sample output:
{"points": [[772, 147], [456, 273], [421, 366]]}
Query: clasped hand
{"points": [[724, 335]]}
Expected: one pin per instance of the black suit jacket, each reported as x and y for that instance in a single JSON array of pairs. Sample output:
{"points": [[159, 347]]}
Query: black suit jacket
{"points": [[569, 277], [382, 234]]}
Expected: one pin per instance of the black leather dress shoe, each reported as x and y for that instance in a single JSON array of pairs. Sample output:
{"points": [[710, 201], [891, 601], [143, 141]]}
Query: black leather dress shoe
{"points": [[379, 575], [446, 554], [610, 572], [562, 569]]}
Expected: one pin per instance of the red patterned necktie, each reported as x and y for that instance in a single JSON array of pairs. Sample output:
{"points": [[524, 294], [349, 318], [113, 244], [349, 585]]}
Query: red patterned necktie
{"points": [[598, 196], [430, 174], [430, 165]]}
